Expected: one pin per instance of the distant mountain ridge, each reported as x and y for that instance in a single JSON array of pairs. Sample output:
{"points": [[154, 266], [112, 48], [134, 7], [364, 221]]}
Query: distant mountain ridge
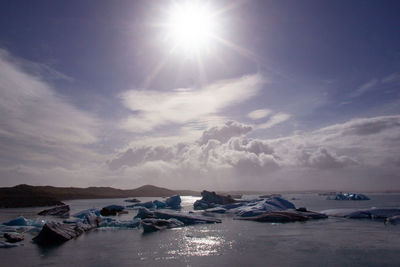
{"points": [[29, 196]]}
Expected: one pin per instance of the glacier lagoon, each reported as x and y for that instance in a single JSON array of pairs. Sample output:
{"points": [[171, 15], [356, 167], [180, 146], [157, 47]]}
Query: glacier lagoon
{"points": [[332, 242]]}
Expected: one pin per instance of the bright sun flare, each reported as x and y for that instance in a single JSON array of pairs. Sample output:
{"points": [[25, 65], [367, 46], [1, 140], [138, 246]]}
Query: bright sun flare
{"points": [[191, 26]]}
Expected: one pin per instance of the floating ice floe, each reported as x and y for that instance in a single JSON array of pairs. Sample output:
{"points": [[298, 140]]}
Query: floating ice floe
{"points": [[112, 210], [22, 221], [152, 225], [393, 220], [284, 216], [348, 196], [119, 224], [173, 202], [211, 200], [185, 218], [84, 213], [55, 232], [363, 213], [13, 237], [260, 206], [61, 211], [9, 245]]}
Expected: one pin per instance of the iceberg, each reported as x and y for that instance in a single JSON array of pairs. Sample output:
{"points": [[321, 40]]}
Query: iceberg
{"points": [[363, 213], [72, 221], [56, 232], [159, 204], [173, 202], [61, 211], [285, 216], [211, 200], [152, 225], [393, 220], [216, 210], [13, 237], [120, 224], [111, 210], [9, 245], [133, 200], [144, 213], [259, 206], [202, 205], [147, 205], [84, 213], [185, 218], [22, 221], [349, 196]]}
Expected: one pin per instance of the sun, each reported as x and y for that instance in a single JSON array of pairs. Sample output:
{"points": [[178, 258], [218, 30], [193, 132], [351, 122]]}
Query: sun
{"points": [[191, 26]]}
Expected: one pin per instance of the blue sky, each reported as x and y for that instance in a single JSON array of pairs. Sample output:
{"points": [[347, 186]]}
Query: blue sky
{"points": [[290, 95]]}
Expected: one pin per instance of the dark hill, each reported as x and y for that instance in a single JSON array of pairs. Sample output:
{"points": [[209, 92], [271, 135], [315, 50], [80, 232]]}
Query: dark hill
{"points": [[30, 196], [150, 191]]}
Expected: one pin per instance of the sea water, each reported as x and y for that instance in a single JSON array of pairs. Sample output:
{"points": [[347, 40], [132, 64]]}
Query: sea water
{"points": [[329, 242]]}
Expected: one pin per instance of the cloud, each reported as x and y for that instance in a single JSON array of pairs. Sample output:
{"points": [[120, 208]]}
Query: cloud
{"points": [[224, 133], [366, 87], [324, 159], [392, 78], [154, 108], [274, 120], [259, 114], [365, 126], [339, 155], [38, 126]]}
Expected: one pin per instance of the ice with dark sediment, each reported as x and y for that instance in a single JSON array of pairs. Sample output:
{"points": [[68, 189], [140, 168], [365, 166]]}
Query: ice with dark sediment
{"points": [[112, 210], [211, 200], [186, 218], [374, 213], [13, 237], [56, 232], [393, 220], [152, 224], [61, 211], [147, 205], [216, 210]]}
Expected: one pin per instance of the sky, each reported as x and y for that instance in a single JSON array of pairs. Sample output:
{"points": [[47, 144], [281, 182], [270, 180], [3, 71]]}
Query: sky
{"points": [[258, 95]]}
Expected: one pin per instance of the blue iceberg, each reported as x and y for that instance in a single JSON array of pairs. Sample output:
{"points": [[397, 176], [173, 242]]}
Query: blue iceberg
{"points": [[349, 196], [84, 213], [22, 221]]}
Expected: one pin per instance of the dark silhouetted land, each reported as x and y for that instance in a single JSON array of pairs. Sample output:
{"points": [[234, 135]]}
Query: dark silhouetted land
{"points": [[31, 196]]}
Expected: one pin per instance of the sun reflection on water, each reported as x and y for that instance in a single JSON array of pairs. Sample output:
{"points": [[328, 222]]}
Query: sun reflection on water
{"points": [[204, 243]]}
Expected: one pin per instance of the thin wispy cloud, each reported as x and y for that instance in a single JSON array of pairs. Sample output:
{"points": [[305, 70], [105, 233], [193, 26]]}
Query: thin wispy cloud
{"points": [[38, 126], [274, 120], [259, 114], [364, 88], [153, 109]]}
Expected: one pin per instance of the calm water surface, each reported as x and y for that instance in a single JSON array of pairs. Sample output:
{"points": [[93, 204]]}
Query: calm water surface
{"points": [[330, 242]]}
